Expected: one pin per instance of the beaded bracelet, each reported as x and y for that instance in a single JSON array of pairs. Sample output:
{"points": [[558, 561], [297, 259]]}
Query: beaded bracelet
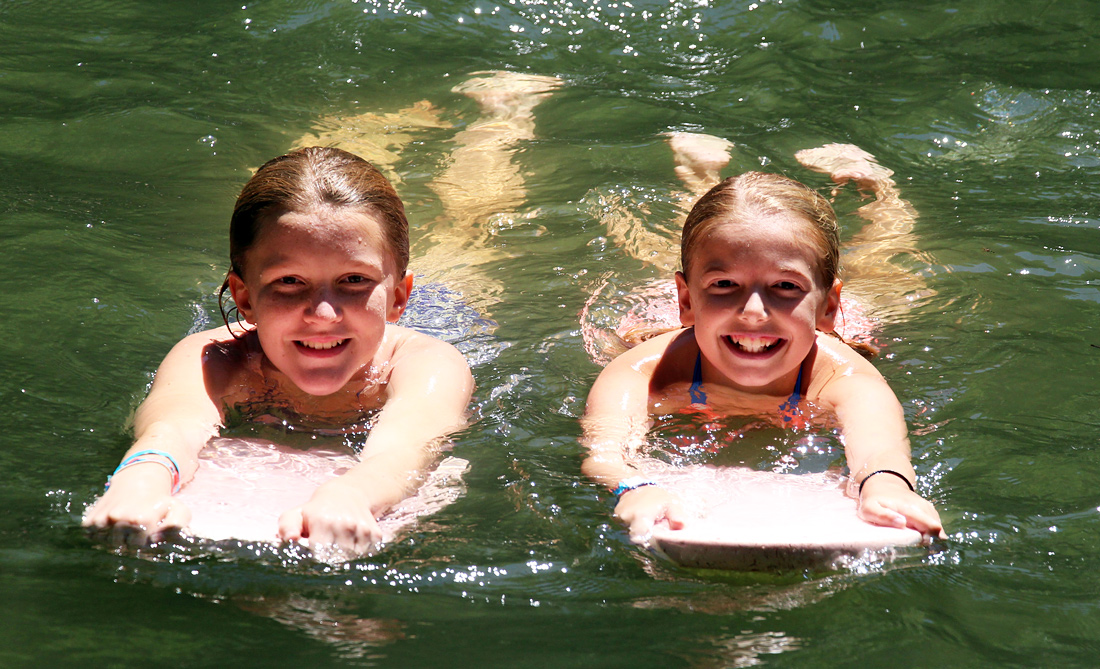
{"points": [[168, 463], [626, 485], [885, 471]]}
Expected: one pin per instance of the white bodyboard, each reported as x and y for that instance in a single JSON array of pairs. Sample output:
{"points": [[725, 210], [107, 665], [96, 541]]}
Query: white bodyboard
{"points": [[242, 486], [741, 519]]}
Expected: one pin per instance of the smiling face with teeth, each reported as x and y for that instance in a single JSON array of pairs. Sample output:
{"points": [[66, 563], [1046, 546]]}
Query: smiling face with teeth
{"points": [[756, 296], [319, 287]]}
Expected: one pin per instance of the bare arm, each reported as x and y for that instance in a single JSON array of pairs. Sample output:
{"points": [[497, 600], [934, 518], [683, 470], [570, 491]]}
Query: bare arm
{"points": [[875, 439], [177, 418], [615, 423], [428, 392]]}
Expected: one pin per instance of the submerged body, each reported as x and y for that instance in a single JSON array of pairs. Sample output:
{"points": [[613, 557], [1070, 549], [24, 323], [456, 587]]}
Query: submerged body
{"points": [[319, 247], [758, 298], [319, 250]]}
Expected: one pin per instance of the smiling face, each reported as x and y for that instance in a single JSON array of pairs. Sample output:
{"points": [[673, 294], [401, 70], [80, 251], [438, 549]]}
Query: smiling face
{"points": [[320, 287], [755, 293]]}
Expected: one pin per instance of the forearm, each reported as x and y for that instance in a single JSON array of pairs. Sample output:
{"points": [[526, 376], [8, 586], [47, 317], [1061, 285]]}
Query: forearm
{"points": [[612, 461], [390, 476], [182, 442], [868, 448], [607, 466], [873, 427], [612, 442], [405, 441], [896, 458], [616, 418]]}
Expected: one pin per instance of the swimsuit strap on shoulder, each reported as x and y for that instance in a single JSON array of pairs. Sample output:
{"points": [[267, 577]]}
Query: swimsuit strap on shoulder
{"points": [[789, 409], [696, 389]]}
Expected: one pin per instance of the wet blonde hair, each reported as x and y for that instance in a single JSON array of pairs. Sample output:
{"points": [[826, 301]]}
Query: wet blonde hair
{"points": [[746, 197]]}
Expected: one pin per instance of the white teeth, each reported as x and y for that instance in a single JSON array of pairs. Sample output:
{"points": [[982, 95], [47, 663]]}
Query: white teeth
{"points": [[754, 344], [319, 346]]}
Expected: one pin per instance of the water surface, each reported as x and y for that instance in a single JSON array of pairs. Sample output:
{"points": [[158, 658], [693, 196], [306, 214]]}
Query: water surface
{"points": [[128, 129]]}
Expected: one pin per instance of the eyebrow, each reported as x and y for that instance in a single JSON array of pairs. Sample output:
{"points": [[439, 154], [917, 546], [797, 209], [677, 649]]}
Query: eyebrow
{"points": [[727, 267]]}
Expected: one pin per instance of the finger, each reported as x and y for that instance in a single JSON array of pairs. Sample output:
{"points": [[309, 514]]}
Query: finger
{"points": [[93, 519], [371, 536], [921, 517], [927, 522], [292, 525], [642, 527], [177, 517], [126, 534], [135, 531], [367, 538], [320, 533], [343, 537], [918, 512], [877, 514], [675, 516]]}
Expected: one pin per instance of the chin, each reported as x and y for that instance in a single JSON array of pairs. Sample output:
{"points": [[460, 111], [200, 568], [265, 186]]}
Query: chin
{"points": [[320, 387]]}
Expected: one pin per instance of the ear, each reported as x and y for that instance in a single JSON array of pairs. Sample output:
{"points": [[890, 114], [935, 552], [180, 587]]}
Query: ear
{"points": [[242, 297], [402, 288], [683, 299], [826, 315]]}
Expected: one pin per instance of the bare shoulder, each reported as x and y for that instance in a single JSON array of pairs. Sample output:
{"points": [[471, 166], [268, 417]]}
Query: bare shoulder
{"points": [[411, 353], [199, 340], [217, 347], [839, 371], [644, 357], [658, 362], [406, 342], [834, 354], [213, 356]]}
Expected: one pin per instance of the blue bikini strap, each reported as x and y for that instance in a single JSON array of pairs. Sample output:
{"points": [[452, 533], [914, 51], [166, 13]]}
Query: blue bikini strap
{"points": [[789, 409], [696, 390]]}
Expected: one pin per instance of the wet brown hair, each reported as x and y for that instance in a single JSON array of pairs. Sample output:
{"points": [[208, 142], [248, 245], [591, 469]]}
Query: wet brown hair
{"points": [[306, 180], [753, 194]]}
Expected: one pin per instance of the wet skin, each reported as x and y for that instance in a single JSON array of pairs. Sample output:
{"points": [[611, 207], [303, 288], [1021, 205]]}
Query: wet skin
{"points": [[755, 298], [320, 288]]}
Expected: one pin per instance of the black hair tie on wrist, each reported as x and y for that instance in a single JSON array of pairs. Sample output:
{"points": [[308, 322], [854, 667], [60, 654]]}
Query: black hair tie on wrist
{"points": [[884, 471]]}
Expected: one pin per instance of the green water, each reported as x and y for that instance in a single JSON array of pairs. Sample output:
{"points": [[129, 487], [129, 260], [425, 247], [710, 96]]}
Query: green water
{"points": [[126, 130]]}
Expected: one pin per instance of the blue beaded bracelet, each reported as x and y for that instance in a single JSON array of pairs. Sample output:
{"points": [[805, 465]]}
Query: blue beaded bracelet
{"points": [[150, 456], [626, 485]]}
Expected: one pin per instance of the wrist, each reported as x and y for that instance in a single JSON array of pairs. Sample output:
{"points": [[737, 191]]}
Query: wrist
{"points": [[884, 475], [141, 459], [145, 477], [631, 483]]}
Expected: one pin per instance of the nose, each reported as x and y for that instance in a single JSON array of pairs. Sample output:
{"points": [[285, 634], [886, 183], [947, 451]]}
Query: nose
{"points": [[754, 309], [323, 308]]}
